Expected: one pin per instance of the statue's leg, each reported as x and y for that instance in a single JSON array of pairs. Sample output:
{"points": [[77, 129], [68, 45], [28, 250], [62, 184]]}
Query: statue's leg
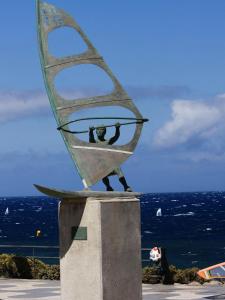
{"points": [[122, 180], [106, 182], [127, 188]]}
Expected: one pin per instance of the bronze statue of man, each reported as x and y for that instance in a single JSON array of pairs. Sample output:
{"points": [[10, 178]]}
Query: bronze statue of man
{"points": [[101, 132]]}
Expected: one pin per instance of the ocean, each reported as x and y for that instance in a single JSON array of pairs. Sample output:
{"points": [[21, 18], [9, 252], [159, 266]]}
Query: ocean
{"points": [[191, 227]]}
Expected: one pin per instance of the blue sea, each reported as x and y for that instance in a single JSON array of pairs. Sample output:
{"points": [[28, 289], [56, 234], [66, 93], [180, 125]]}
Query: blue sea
{"points": [[191, 227]]}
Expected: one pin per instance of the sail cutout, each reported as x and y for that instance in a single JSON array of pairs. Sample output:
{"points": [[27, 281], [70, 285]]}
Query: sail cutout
{"points": [[83, 81], [65, 41], [103, 116]]}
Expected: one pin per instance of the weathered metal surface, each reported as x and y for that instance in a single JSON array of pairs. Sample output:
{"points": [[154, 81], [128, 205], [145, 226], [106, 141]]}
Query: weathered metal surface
{"points": [[78, 195], [92, 160]]}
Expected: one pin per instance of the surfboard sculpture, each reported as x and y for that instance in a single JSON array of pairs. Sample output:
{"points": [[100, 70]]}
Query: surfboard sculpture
{"points": [[213, 272], [93, 161]]}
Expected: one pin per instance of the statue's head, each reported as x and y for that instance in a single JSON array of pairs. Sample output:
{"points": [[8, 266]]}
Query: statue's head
{"points": [[101, 131]]}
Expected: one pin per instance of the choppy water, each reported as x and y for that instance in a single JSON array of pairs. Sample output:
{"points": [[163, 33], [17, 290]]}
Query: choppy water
{"points": [[21, 217], [191, 228]]}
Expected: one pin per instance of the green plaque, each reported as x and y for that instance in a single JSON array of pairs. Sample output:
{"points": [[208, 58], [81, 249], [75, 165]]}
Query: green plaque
{"points": [[79, 233]]}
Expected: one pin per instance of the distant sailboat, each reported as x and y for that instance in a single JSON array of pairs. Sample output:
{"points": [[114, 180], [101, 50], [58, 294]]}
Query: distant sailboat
{"points": [[159, 213], [6, 211]]}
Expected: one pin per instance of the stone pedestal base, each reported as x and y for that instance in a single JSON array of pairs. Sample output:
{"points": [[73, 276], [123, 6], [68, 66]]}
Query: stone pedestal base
{"points": [[100, 249]]}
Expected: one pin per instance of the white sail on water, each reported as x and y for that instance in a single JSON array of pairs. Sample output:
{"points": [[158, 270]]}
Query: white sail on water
{"points": [[6, 211], [159, 212]]}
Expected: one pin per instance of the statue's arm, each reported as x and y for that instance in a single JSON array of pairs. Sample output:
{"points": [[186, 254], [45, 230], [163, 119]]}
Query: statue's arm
{"points": [[116, 136], [91, 135]]}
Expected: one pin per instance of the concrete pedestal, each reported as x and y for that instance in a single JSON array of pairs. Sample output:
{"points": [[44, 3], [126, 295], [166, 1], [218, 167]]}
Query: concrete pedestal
{"points": [[100, 249]]}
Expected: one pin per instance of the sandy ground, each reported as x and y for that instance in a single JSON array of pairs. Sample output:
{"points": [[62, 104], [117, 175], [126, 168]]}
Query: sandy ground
{"points": [[50, 290]]}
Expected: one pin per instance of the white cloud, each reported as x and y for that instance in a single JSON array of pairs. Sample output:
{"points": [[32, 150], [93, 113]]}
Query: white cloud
{"points": [[14, 105], [195, 124], [17, 105]]}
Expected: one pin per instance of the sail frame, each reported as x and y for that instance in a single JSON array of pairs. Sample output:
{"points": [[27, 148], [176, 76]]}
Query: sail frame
{"points": [[50, 18]]}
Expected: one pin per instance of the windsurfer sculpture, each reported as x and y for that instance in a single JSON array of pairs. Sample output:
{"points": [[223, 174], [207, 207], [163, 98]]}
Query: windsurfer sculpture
{"points": [[101, 132]]}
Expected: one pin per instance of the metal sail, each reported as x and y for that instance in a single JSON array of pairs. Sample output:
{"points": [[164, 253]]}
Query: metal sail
{"points": [[86, 156]]}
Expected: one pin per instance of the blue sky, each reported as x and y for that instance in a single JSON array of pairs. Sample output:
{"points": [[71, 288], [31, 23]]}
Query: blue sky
{"points": [[169, 56]]}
